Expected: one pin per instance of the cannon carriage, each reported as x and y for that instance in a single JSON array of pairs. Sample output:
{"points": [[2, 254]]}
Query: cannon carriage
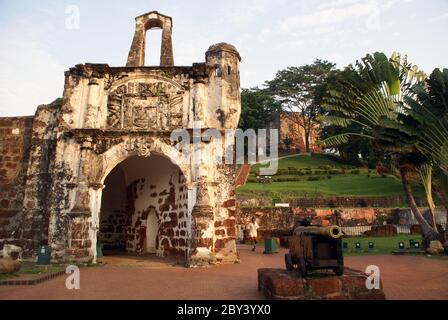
{"points": [[313, 248]]}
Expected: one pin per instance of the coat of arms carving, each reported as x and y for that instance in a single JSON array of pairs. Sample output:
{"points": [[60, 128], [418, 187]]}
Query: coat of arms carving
{"points": [[145, 106]]}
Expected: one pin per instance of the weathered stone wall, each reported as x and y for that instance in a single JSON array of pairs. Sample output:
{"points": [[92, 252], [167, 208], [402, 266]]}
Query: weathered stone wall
{"points": [[224, 237], [334, 202], [157, 187], [287, 123], [39, 180], [113, 215], [278, 219], [352, 202], [108, 115], [15, 142]]}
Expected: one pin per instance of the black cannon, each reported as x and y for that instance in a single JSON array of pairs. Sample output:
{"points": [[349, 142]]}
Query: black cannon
{"points": [[312, 248]]}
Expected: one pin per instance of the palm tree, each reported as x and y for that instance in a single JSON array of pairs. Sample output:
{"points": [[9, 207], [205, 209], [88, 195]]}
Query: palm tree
{"points": [[375, 97], [429, 107]]}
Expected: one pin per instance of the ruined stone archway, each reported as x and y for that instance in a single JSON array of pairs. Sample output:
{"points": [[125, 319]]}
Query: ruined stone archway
{"points": [[144, 208], [109, 114]]}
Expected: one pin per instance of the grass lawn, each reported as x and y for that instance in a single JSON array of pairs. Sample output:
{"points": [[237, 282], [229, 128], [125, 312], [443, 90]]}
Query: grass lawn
{"points": [[383, 245], [305, 161], [31, 270], [364, 183], [341, 185]]}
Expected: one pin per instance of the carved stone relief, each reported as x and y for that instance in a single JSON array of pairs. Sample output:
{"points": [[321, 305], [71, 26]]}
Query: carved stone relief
{"points": [[141, 146], [145, 106]]}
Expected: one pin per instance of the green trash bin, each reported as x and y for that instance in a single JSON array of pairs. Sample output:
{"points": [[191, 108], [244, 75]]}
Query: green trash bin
{"points": [[99, 250], [44, 255], [270, 246]]}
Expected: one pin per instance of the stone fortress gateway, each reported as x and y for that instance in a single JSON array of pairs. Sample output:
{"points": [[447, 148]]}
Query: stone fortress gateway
{"points": [[99, 165]]}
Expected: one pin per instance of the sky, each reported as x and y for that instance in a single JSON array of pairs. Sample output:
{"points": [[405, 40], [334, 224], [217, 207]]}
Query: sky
{"points": [[39, 40]]}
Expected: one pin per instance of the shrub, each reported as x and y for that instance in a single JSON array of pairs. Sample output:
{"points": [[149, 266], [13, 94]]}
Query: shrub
{"points": [[338, 159], [317, 172], [276, 199], [292, 170], [362, 203], [252, 179], [334, 172], [282, 172], [288, 142], [329, 177], [355, 171], [313, 178], [286, 179]]}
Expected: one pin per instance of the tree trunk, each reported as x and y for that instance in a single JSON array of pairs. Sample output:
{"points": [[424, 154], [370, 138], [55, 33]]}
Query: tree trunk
{"points": [[428, 232], [307, 140], [425, 172], [444, 199], [445, 170]]}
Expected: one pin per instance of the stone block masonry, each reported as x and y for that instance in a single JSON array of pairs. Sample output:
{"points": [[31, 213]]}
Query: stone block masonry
{"points": [[56, 168], [15, 143], [278, 284]]}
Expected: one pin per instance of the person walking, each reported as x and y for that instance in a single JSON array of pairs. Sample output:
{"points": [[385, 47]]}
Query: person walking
{"points": [[253, 232]]}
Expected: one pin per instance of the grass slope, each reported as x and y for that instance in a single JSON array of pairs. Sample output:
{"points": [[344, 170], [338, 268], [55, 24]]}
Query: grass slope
{"points": [[364, 183]]}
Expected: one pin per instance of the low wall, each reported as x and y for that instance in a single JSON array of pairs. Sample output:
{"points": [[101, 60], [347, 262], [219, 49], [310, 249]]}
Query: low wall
{"points": [[352, 202], [336, 202], [278, 219]]}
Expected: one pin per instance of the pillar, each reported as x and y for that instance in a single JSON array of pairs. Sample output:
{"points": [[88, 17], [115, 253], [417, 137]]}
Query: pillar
{"points": [[203, 228]]}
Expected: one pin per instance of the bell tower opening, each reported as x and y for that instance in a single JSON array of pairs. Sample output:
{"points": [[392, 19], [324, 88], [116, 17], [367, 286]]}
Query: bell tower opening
{"points": [[144, 23], [153, 46]]}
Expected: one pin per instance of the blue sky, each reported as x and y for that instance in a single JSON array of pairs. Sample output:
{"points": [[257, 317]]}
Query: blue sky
{"points": [[36, 47]]}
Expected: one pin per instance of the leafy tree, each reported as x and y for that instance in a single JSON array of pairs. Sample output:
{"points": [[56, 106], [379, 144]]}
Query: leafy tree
{"points": [[288, 142], [296, 88], [257, 109], [355, 145]]}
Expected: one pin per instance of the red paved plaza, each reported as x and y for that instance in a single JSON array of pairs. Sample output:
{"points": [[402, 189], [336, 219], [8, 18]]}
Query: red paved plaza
{"points": [[404, 277]]}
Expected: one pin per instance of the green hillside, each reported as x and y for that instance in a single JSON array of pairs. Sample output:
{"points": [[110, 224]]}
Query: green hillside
{"points": [[317, 176]]}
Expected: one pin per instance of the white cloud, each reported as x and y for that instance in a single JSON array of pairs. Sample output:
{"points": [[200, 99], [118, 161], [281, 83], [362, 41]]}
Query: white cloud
{"points": [[29, 77], [334, 4], [438, 18], [330, 15], [248, 12], [265, 34]]}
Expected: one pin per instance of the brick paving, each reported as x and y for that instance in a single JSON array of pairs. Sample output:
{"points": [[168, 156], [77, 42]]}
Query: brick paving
{"points": [[404, 277]]}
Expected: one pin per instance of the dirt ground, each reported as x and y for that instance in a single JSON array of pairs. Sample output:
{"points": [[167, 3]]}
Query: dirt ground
{"points": [[404, 277]]}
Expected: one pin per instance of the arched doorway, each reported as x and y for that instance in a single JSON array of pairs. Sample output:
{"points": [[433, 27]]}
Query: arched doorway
{"points": [[144, 208]]}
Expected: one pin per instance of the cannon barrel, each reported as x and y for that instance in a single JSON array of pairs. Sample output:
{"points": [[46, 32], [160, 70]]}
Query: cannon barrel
{"points": [[334, 231]]}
